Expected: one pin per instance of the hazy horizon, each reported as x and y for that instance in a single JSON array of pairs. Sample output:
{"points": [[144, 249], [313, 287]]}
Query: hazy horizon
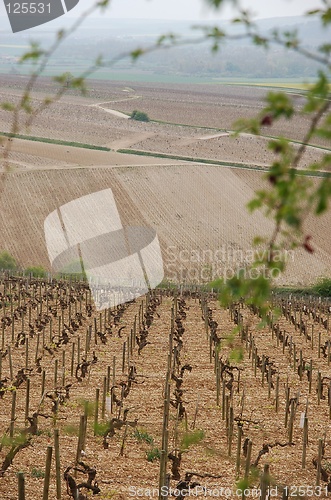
{"points": [[199, 9]]}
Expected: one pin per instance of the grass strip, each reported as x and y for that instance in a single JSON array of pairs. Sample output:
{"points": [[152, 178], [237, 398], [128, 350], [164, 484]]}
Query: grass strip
{"points": [[54, 141], [189, 158], [139, 152]]}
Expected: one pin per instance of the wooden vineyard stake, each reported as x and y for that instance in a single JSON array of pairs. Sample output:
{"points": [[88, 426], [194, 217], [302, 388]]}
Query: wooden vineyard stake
{"points": [[37, 347], [87, 341], [238, 451], [230, 431], [27, 400], [29, 314], [134, 331], [287, 406], [104, 394], [300, 365], [3, 337], [265, 482], [12, 415], [55, 372], [85, 424], [319, 461], [113, 379], [277, 395], [72, 359], [78, 350], [165, 434], [63, 368], [21, 486], [269, 381], [249, 346], [319, 345], [131, 342], [96, 410], [129, 348], [255, 361], [248, 459], [26, 352], [47, 472], [223, 399], [290, 348], [310, 375], [57, 463], [81, 438], [291, 423], [247, 464], [227, 413], [95, 334], [210, 349], [50, 330], [10, 363], [108, 379], [319, 387], [304, 442]]}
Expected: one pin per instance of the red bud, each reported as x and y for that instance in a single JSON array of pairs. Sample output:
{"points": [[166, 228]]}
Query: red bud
{"points": [[272, 179], [306, 245], [267, 120]]}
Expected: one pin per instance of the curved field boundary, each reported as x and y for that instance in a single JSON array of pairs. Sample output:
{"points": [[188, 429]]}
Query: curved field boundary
{"points": [[190, 159], [207, 161]]}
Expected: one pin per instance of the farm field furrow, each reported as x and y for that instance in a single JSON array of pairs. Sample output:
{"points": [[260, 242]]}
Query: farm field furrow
{"points": [[197, 211]]}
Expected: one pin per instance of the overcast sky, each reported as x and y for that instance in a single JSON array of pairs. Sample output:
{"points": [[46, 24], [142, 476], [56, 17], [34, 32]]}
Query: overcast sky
{"points": [[194, 9], [198, 9]]}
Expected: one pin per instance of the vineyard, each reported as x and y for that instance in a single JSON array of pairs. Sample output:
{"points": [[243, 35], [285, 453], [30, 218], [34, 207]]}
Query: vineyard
{"points": [[170, 390]]}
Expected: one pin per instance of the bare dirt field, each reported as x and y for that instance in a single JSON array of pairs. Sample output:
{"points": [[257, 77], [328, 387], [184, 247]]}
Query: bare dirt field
{"points": [[85, 119], [198, 212], [193, 208], [70, 354]]}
